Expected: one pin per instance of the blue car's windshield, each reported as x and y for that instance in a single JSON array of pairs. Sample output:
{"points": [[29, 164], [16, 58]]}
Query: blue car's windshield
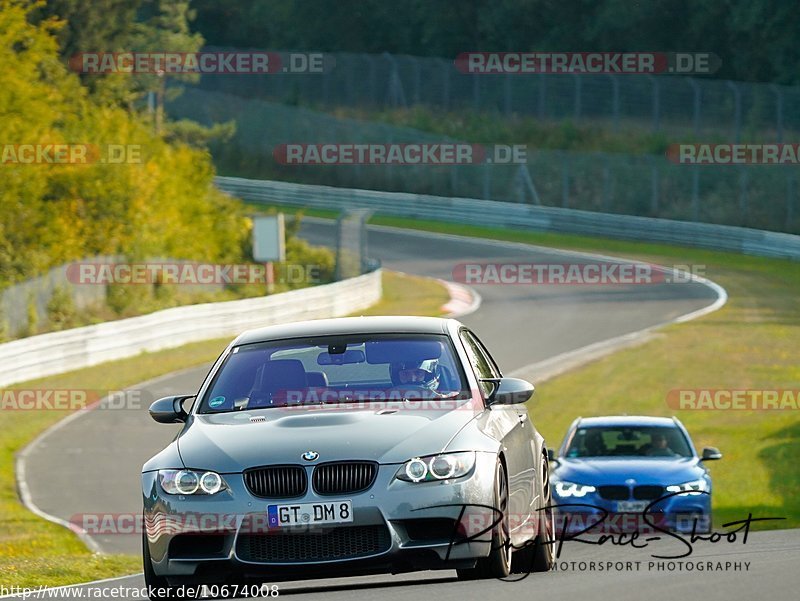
{"points": [[335, 369], [628, 441]]}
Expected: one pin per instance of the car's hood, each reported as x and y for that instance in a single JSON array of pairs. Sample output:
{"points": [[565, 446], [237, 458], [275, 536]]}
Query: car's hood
{"points": [[646, 470], [231, 442]]}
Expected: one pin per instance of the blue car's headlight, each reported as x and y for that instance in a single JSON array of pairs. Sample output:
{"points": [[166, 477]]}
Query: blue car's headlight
{"points": [[689, 487], [437, 467], [571, 489], [190, 482]]}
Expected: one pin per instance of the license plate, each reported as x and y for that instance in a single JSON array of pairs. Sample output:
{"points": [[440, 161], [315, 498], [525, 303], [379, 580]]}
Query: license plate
{"points": [[304, 514], [631, 506]]}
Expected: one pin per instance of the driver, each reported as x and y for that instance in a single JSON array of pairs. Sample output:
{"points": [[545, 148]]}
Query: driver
{"points": [[412, 374], [659, 446]]}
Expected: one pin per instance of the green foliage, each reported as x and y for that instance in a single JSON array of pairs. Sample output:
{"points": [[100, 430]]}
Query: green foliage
{"points": [[61, 312], [52, 214], [32, 314]]}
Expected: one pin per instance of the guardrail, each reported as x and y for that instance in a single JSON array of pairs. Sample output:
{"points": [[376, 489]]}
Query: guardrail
{"points": [[57, 352], [473, 211]]}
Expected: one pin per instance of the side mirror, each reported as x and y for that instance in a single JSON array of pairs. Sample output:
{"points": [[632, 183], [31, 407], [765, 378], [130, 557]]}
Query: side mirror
{"points": [[169, 410], [551, 455], [710, 454], [510, 391]]}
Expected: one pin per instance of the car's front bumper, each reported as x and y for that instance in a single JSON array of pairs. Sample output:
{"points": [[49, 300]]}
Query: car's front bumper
{"points": [[592, 514], [397, 526]]}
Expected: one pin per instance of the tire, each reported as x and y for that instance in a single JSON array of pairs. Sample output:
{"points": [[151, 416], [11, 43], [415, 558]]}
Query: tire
{"points": [[539, 554], [498, 562]]}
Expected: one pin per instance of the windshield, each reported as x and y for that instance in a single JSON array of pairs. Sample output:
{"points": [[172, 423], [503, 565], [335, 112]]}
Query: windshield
{"points": [[335, 369], [628, 441]]}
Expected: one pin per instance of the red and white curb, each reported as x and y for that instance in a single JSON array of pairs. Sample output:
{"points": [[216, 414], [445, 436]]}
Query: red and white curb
{"points": [[463, 300]]}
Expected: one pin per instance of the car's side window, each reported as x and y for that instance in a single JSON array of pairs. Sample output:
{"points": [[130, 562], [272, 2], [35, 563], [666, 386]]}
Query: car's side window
{"points": [[480, 364], [482, 347]]}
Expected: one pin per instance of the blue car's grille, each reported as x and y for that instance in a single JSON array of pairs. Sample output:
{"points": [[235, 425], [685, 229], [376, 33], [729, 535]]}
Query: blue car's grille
{"points": [[648, 492], [643, 492], [276, 482], [614, 493], [344, 478], [337, 543]]}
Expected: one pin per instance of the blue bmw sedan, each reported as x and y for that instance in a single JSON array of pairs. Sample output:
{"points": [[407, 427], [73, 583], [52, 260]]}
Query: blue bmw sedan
{"points": [[625, 473]]}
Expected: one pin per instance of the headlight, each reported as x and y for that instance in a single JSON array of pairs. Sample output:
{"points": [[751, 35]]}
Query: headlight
{"points": [[190, 482], [437, 467], [570, 489], [688, 487]]}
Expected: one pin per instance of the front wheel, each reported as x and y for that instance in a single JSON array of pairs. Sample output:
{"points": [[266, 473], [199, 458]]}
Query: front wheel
{"points": [[539, 554], [498, 563]]}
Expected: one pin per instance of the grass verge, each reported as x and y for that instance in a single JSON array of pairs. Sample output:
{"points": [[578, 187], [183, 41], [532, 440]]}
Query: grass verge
{"points": [[35, 552]]}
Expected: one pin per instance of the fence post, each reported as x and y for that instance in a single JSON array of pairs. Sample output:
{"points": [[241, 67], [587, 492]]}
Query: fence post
{"points": [[695, 193], [395, 94], [417, 80], [737, 110], [373, 84], [615, 101], [743, 208], [789, 202], [778, 110], [578, 94], [507, 94], [542, 108], [446, 84], [487, 182], [606, 186], [654, 187], [696, 116], [656, 102], [565, 180]]}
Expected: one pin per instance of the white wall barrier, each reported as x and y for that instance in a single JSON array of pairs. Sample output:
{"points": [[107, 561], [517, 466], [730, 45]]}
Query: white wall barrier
{"points": [[57, 352]]}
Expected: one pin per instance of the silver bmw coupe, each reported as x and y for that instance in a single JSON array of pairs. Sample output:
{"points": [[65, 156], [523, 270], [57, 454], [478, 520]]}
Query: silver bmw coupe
{"points": [[347, 447]]}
